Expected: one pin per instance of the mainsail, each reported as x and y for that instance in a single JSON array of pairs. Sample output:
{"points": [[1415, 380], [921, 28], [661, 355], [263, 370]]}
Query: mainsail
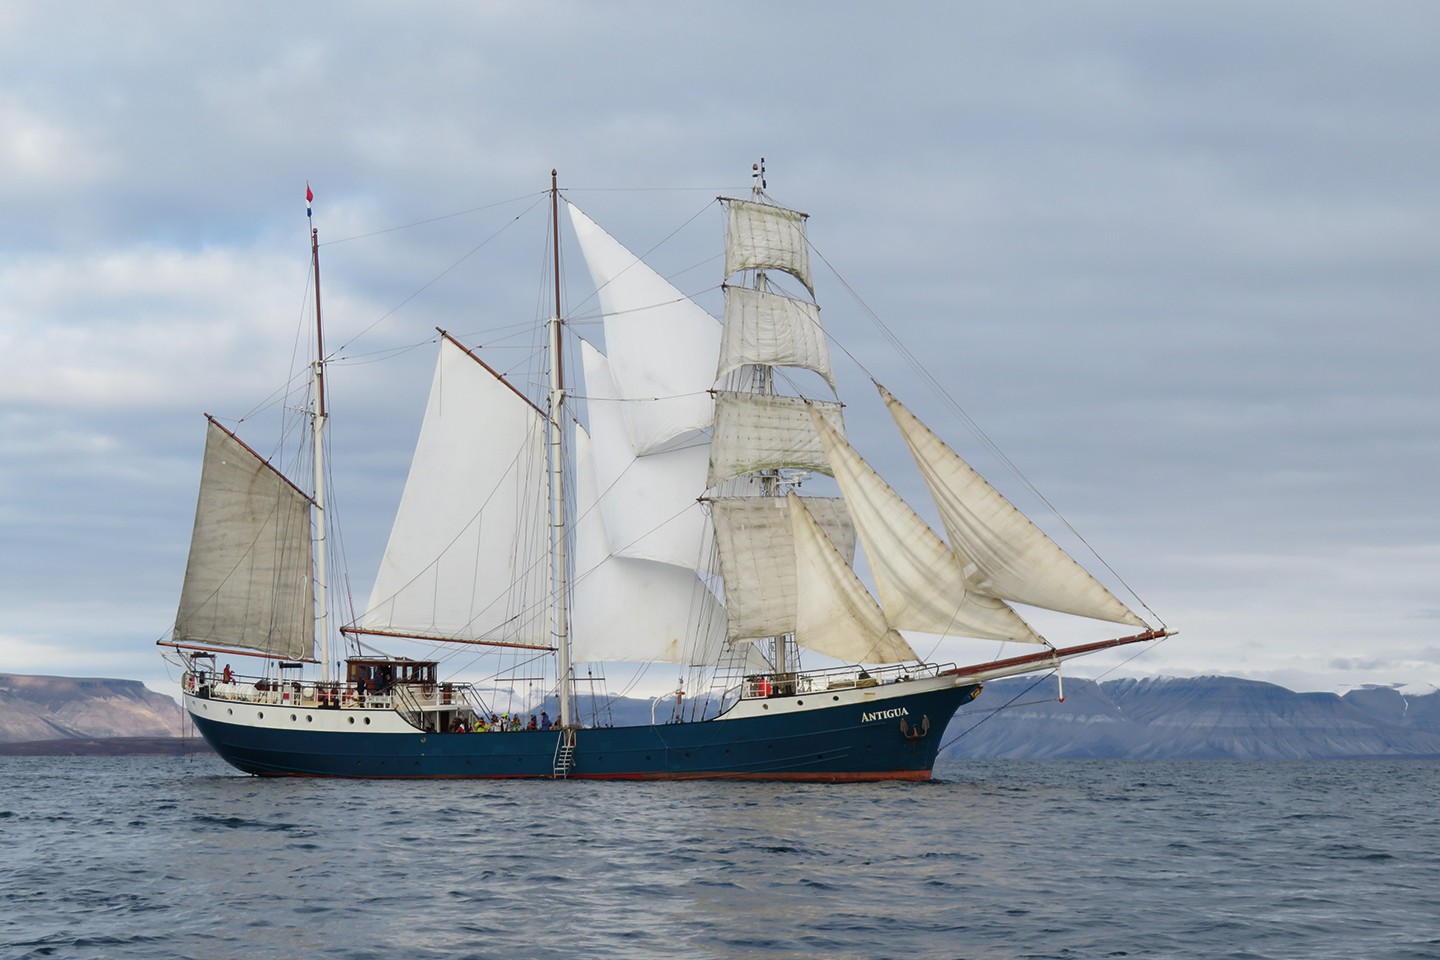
{"points": [[248, 582], [468, 553]]}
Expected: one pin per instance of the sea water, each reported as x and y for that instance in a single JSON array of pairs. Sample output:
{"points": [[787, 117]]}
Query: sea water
{"points": [[147, 857]]}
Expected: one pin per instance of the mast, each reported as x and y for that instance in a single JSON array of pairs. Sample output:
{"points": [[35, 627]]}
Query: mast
{"points": [[317, 438], [765, 384], [561, 600]]}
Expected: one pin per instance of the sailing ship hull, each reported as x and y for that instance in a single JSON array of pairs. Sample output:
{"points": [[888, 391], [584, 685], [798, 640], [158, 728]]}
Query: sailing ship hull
{"points": [[879, 738]]}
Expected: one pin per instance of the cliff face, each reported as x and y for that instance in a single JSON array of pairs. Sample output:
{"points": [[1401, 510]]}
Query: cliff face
{"points": [[1200, 717], [65, 708]]}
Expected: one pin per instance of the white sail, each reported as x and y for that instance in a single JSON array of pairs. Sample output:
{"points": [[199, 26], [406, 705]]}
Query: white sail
{"points": [[834, 613], [757, 559], [756, 431], [761, 236], [662, 346], [650, 503], [468, 553], [1014, 560], [633, 610], [770, 329], [921, 582], [248, 582]]}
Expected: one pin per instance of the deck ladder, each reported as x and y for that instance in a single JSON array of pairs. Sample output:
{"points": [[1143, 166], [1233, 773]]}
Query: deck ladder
{"points": [[565, 754]]}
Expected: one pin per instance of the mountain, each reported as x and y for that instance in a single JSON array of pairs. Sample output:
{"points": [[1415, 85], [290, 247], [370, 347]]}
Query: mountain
{"points": [[1196, 718], [82, 708]]}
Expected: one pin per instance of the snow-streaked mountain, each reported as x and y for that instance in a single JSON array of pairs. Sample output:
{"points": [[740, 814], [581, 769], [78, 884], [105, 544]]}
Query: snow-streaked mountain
{"points": [[1198, 717]]}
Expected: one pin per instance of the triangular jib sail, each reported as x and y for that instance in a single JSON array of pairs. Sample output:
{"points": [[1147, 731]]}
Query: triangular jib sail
{"points": [[1006, 556]]}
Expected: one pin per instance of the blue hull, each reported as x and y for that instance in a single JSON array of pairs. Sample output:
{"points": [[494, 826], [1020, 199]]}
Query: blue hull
{"points": [[840, 743]]}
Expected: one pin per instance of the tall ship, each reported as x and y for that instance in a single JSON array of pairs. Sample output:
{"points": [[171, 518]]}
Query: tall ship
{"points": [[651, 513]]}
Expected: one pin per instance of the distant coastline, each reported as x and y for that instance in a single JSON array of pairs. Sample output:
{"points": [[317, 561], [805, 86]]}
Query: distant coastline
{"points": [[108, 747]]}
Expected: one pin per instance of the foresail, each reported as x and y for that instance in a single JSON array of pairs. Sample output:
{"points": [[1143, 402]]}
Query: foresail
{"points": [[757, 559], [760, 236], [650, 503], [249, 582], [773, 330], [921, 582], [633, 610], [1014, 559], [468, 553], [834, 613], [662, 346], [756, 431]]}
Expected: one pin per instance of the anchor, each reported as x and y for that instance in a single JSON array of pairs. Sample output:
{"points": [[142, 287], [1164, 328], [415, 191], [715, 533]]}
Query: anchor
{"points": [[918, 733]]}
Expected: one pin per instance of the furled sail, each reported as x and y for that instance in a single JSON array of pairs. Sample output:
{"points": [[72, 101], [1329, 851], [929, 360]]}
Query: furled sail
{"points": [[249, 582], [662, 346], [755, 431], [834, 613], [762, 236], [774, 330], [633, 610], [650, 503], [757, 558], [468, 553], [1014, 559], [922, 584]]}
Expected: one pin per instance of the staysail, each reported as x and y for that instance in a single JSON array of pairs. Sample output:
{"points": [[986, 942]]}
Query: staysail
{"points": [[834, 613], [248, 582], [661, 344], [649, 503], [633, 609]]}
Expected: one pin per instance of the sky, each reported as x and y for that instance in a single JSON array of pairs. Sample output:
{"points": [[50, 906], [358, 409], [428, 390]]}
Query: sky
{"points": [[1178, 261]]}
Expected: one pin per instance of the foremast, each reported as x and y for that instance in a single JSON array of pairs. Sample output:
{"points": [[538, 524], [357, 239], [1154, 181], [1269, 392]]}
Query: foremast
{"points": [[786, 654]]}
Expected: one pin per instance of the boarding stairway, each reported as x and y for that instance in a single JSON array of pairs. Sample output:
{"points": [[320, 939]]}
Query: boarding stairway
{"points": [[564, 755]]}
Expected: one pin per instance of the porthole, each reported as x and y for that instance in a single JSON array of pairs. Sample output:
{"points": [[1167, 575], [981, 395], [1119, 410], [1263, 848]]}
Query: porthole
{"points": [[293, 718], [230, 711], [836, 698], [764, 706], [309, 718], [350, 719], [799, 703], [367, 721], [259, 714]]}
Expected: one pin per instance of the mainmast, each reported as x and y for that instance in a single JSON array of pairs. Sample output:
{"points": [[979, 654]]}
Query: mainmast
{"points": [[317, 439], [560, 597]]}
